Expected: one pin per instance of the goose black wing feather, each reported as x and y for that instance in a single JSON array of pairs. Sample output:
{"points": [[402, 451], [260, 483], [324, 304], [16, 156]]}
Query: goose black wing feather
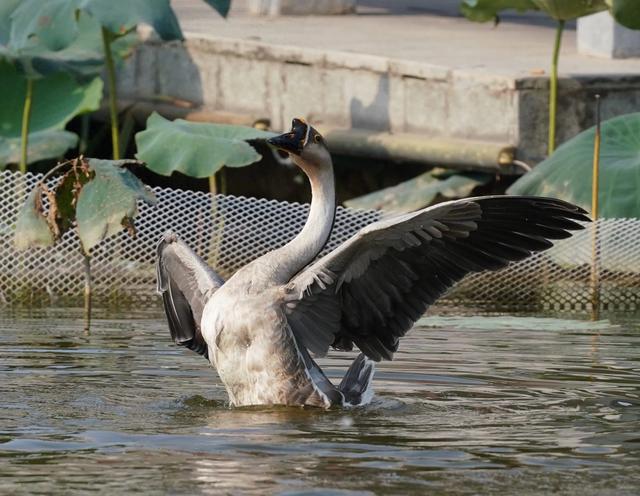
{"points": [[370, 290], [185, 283]]}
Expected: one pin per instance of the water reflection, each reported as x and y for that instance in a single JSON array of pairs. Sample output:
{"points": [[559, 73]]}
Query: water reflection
{"points": [[471, 405]]}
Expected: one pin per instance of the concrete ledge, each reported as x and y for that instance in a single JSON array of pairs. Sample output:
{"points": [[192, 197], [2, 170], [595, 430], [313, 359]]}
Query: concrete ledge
{"points": [[371, 93]]}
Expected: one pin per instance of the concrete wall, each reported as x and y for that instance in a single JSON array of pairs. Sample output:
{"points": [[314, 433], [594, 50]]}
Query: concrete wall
{"points": [[300, 7], [600, 35], [369, 92]]}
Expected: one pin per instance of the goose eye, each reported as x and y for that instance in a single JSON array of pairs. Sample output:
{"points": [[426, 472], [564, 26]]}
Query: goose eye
{"points": [[317, 138]]}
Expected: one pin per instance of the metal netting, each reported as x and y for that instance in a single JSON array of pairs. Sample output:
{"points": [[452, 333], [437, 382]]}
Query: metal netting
{"points": [[231, 231]]}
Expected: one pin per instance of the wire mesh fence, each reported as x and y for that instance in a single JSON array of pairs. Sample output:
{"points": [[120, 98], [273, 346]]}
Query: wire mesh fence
{"points": [[230, 231]]}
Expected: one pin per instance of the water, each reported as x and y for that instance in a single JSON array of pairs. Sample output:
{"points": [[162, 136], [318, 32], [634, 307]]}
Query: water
{"points": [[477, 405]]}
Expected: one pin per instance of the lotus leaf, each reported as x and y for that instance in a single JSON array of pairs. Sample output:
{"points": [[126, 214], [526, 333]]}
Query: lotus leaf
{"points": [[567, 174], [108, 202], [6, 9], [59, 98], [564, 10], [221, 6], [195, 149], [626, 12], [44, 38], [420, 192], [32, 228], [48, 23], [42, 145], [487, 10], [124, 16]]}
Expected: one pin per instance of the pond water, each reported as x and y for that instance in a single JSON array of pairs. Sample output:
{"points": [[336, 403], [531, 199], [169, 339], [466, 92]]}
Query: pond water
{"points": [[472, 405]]}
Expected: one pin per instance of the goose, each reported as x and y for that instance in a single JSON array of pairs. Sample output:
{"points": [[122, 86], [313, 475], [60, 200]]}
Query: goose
{"points": [[260, 328]]}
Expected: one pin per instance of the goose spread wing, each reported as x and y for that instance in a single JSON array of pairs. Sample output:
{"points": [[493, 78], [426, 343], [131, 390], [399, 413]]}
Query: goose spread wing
{"points": [[370, 290], [186, 282]]}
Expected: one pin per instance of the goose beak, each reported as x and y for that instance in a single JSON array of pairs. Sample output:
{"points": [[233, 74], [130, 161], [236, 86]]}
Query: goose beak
{"points": [[286, 142], [293, 141]]}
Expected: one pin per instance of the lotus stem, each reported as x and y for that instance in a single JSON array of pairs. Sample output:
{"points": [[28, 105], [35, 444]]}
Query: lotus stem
{"points": [[113, 96], [26, 117], [213, 188], [223, 181], [87, 291], [595, 275], [84, 134], [553, 89], [595, 184]]}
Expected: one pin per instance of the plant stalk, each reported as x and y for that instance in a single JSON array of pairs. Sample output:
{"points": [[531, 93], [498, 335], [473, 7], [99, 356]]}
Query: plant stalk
{"points": [[87, 291], [113, 96], [595, 187], [84, 134], [217, 219], [26, 117], [553, 89], [213, 187]]}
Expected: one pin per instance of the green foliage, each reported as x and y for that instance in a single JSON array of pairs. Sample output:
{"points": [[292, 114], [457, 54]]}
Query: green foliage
{"points": [[57, 41], [42, 145], [82, 57], [32, 227], [626, 12], [48, 23], [53, 23], [195, 149], [59, 98], [6, 9], [567, 174], [420, 191], [564, 10], [488, 10], [123, 18], [108, 202], [221, 6], [98, 196]]}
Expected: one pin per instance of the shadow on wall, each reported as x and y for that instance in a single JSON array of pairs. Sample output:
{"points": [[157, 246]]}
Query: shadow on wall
{"points": [[169, 75], [375, 115]]}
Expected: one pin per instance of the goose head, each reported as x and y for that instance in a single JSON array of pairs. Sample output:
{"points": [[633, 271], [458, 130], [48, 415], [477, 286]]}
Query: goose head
{"points": [[305, 145]]}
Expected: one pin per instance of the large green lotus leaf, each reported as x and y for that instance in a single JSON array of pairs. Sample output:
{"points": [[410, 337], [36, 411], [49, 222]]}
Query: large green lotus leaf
{"points": [[221, 6], [626, 12], [49, 23], [32, 228], [108, 201], [419, 192], [6, 9], [83, 57], [567, 173], [56, 100], [42, 145], [488, 10], [570, 9], [119, 16], [195, 149]]}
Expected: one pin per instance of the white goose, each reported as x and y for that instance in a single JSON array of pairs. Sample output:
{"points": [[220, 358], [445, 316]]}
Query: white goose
{"points": [[258, 327]]}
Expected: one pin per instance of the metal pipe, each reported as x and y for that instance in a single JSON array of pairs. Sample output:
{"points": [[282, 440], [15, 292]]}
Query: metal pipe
{"points": [[399, 147]]}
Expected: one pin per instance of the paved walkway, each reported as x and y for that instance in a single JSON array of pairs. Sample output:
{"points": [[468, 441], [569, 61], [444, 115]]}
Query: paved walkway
{"points": [[427, 31]]}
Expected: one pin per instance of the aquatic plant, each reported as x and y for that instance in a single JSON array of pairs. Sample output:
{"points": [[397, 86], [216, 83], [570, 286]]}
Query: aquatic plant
{"points": [[567, 173], [194, 148], [626, 12], [78, 38], [96, 197]]}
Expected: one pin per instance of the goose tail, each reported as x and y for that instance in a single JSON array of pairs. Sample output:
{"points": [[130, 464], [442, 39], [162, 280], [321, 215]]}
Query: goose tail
{"points": [[356, 383]]}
